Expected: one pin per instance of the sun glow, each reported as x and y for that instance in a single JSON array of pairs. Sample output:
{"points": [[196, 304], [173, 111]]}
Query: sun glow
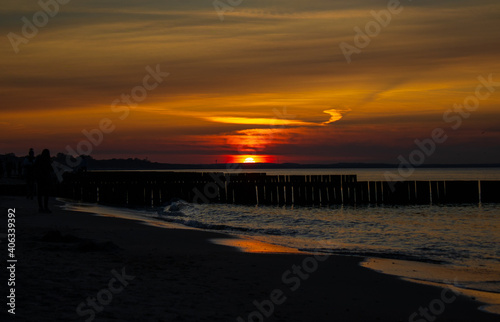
{"points": [[249, 160]]}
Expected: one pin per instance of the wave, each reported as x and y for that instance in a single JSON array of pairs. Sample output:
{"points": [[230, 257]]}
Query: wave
{"points": [[220, 227], [387, 254], [184, 213]]}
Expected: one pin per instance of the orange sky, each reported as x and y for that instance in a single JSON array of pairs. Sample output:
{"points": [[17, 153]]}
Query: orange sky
{"points": [[269, 81]]}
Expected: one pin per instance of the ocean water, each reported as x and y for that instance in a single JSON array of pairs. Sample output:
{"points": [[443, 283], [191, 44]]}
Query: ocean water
{"points": [[462, 238], [378, 174]]}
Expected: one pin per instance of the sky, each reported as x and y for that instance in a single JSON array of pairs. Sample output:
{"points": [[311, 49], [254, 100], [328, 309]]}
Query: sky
{"points": [[317, 81]]}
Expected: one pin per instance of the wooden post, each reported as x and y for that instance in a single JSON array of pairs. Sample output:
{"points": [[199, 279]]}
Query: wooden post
{"points": [[490, 191]]}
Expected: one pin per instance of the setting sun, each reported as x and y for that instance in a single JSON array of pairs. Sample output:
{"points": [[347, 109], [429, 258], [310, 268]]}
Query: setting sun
{"points": [[249, 160]]}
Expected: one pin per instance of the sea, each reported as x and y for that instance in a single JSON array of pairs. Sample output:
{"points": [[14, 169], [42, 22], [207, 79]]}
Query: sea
{"points": [[455, 244]]}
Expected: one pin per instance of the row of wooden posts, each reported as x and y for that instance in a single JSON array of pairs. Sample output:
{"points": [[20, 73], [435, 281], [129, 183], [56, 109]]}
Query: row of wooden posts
{"points": [[156, 188]]}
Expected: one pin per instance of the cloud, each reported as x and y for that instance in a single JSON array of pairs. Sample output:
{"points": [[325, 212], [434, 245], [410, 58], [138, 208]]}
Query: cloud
{"points": [[335, 115], [256, 121]]}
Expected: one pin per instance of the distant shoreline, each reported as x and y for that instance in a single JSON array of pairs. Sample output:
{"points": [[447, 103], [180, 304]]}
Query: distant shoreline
{"points": [[144, 164], [105, 165]]}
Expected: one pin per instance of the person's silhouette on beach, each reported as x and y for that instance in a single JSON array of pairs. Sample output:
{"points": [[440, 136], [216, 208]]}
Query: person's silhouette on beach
{"points": [[83, 164], [29, 174], [8, 166], [43, 175], [20, 168]]}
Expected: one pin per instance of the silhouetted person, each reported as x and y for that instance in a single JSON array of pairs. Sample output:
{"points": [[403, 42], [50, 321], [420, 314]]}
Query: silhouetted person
{"points": [[1, 168], [20, 168], [8, 167], [29, 174], [43, 175], [83, 164]]}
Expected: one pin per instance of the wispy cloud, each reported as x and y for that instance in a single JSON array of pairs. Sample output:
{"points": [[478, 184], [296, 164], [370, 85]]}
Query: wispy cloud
{"points": [[257, 121], [335, 115]]}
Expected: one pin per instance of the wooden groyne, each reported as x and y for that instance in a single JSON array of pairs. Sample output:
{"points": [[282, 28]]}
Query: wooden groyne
{"points": [[157, 188]]}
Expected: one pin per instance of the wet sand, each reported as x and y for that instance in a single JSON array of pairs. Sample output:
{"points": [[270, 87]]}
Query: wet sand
{"points": [[462, 280], [75, 266]]}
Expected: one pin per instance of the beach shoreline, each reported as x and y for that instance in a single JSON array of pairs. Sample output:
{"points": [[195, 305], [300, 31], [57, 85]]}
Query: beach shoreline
{"points": [[67, 257], [440, 276]]}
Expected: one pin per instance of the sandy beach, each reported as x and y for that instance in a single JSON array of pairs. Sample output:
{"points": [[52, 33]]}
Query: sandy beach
{"points": [[75, 266]]}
